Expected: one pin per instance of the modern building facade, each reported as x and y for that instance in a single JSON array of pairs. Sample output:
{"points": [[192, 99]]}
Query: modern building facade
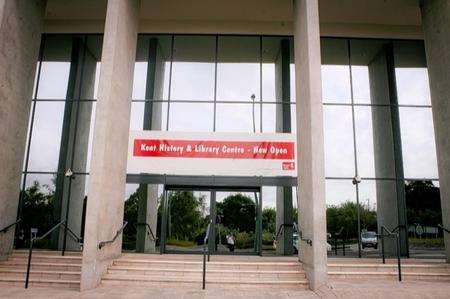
{"points": [[363, 85]]}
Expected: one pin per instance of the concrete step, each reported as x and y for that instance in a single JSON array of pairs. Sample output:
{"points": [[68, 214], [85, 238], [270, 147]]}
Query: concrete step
{"points": [[41, 258], [48, 269], [213, 274], [24, 252], [41, 266], [388, 276], [406, 268], [41, 274], [141, 280], [169, 264], [40, 282]]}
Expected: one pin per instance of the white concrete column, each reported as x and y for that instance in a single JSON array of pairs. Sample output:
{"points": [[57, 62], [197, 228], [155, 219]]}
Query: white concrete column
{"points": [[104, 212], [310, 143], [436, 26], [21, 23]]}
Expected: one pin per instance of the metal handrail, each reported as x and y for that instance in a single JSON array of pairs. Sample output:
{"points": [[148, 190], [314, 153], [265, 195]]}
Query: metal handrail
{"points": [[300, 235], [74, 235], [206, 250], [119, 231], [281, 227], [151, 234], [32, 240], [6, 228], [336, 235], [395, 234], [444, 229]]}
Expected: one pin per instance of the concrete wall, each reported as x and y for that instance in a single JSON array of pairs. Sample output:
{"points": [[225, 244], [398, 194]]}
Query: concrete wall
{"points": [[21, 23], [436, 25], [104, 212]]}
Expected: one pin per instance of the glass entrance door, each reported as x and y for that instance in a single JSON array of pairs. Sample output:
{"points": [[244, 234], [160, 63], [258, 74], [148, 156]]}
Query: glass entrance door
{"points": [[186, 213], [237, 226], [185, 217]]}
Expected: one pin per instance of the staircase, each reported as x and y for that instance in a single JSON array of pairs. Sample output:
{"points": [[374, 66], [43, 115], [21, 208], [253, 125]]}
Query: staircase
{"points": [[368, 269], [48, 269], [221, 271]]}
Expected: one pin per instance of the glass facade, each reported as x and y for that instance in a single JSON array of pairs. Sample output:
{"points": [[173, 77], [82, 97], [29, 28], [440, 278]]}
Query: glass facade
{"points": [[379, 138], [60, 136]]}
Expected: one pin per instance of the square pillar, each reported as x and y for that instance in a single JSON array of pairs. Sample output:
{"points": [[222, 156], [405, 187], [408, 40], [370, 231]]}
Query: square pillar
{"points": [[436, 27], [310, 142], [104, 211], [21, 23], [283, 124]]}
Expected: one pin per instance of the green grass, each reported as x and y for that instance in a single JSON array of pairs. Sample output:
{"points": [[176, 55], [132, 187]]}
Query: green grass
{"points": [[180, 243], [427, 243]]}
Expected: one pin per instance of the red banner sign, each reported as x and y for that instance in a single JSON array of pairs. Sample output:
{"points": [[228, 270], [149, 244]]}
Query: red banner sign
{"points": [[175, 148]]}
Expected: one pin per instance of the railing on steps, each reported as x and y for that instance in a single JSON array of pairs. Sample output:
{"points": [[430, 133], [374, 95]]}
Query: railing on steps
{"points": [[6, 228], [386, 233], [443, 228], [282, 228], [34, 239], [335, 239], [206, 251], [119, 231], [148, 229]]}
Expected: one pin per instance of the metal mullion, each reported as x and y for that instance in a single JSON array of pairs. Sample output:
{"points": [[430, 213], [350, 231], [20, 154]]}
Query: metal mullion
{"points": [[358, 211], [170, 81], [260, 84], [215, 82]]}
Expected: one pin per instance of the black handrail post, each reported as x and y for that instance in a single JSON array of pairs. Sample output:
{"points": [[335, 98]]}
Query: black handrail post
{"points": [[335, 246], [343, 246], [64, 239], [204, 265], [382, 249], [29, 263], [398, 258]]}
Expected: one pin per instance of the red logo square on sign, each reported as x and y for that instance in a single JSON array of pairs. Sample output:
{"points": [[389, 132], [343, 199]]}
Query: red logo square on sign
{"points": [[288, 166]]}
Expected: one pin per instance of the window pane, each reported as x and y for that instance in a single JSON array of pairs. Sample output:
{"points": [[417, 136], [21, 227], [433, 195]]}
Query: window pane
{"points": [[46, 136], [55, 67], [193, 68], [137, 116], [369, 71], [270, 117], [418, 145], [139, 80], [277, 53], [38, 199], [378, 200], [411, 73], [238, 69], [335, 71], [374, 142], [339, 153], [424, 215], [192, 117], [85, 135], [412, 86], [237, 118]]}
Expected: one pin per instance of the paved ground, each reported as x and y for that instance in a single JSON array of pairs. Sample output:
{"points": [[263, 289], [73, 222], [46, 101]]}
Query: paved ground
{"points": [[337, 289]]}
